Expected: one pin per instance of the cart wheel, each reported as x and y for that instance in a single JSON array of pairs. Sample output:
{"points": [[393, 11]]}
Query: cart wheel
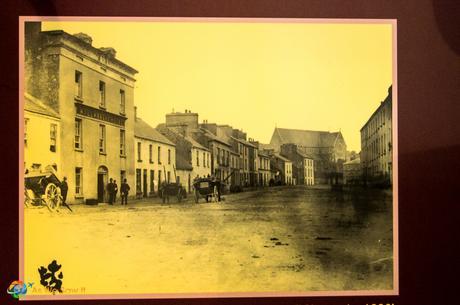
{"points": [[27, 199], [52, 197], [215, 194], [196, 196]]}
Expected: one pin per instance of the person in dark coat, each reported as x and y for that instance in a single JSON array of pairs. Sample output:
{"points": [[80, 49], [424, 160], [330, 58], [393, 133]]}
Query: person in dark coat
{"points": [[110, 190], [64, 189], [115, 191], [124, 190]]}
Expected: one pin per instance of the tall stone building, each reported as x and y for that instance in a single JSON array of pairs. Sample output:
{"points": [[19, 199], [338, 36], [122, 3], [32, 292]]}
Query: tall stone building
{"points": [[328, 150], [92, 91], [377, 144]]}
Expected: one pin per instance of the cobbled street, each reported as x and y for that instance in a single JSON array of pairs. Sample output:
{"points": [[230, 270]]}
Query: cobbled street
{"points": [[274, 239]]}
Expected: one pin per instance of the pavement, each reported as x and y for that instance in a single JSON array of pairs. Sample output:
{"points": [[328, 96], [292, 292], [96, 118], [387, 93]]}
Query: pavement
{"points": [[282, 239]]}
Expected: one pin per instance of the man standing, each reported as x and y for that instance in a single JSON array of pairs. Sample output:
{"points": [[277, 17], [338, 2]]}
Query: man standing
{"points": [[124, 190], [110, 191], [64, 188], [115, 191]]}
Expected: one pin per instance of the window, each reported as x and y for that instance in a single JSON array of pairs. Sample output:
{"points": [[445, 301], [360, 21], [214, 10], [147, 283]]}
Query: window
{"points": [[169, 157], [151, 153], [159, 177], [78, 181], [53, 137], [102, 139], [102, 94], [122, 101], [122, 142], [139, 152], [122, 176], [78, 84], [78, 134], [26, 121], [208, 160], [159, 154], [169, 176], [197, 158], [204, 159]]}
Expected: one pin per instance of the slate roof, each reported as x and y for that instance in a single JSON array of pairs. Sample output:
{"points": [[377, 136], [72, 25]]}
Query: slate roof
{"points": [[282, 158], [307, 138], [244, 142], [145, 131], [182, 164], [195, 143], [213, 137], [33, 104], [355, 161], [304, 155]]}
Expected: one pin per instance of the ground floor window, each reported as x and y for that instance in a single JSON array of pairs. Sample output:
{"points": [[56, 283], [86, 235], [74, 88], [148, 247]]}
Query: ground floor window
{"points": [[78, 181]]}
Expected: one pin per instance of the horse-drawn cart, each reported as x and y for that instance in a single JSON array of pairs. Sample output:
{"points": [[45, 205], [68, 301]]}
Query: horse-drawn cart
{"points": [[42, 188], [172, 190], [207, 188]]}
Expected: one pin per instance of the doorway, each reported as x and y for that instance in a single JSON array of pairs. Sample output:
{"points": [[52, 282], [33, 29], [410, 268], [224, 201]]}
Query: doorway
{"points": [[145, 183], [102, 174]]}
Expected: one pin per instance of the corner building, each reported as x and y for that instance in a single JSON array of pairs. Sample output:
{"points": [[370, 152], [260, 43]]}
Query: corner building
{"points": [[92, 91]]}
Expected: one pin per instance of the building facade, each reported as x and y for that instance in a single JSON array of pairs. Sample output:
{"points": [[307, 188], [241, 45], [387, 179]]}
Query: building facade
{"points": [[41, 136], [302, 164], [192, 159], [283, 168], [377, 144], [264, 168], [93, 93], [328, 150], [155, 159]]}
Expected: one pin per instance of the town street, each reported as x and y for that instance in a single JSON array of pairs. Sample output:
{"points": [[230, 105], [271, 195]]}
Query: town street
{"points": [[273, 239]]}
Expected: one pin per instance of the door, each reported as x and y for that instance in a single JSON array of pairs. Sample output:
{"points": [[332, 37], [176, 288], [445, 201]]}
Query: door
{"points": [[145, 183], [102, 173], [100, 187]]}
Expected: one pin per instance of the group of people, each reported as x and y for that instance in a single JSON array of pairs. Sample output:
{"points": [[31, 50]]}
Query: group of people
{"points": [[112, 189]]}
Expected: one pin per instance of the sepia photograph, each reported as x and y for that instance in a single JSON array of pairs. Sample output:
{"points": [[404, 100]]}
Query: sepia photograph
{"points": [[198, 157]]}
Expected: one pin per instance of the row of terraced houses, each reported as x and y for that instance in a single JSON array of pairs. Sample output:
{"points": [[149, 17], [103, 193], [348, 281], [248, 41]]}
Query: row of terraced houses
{"points": [[80, 120]]}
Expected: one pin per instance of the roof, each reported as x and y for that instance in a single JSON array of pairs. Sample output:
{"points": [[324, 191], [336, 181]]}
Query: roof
{"points": [[266, 146], [388, 99], [213, 137], [145, 131], [282, 158], [244, 142], [182, 164], [195, 143], [263, 154], [304, 155], [35, 105], [354, 161], [88, 46], [307, 138]]}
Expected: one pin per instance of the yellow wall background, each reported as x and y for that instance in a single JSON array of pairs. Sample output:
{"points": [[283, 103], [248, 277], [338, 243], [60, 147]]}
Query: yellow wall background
{"points": [[254, 76]]}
